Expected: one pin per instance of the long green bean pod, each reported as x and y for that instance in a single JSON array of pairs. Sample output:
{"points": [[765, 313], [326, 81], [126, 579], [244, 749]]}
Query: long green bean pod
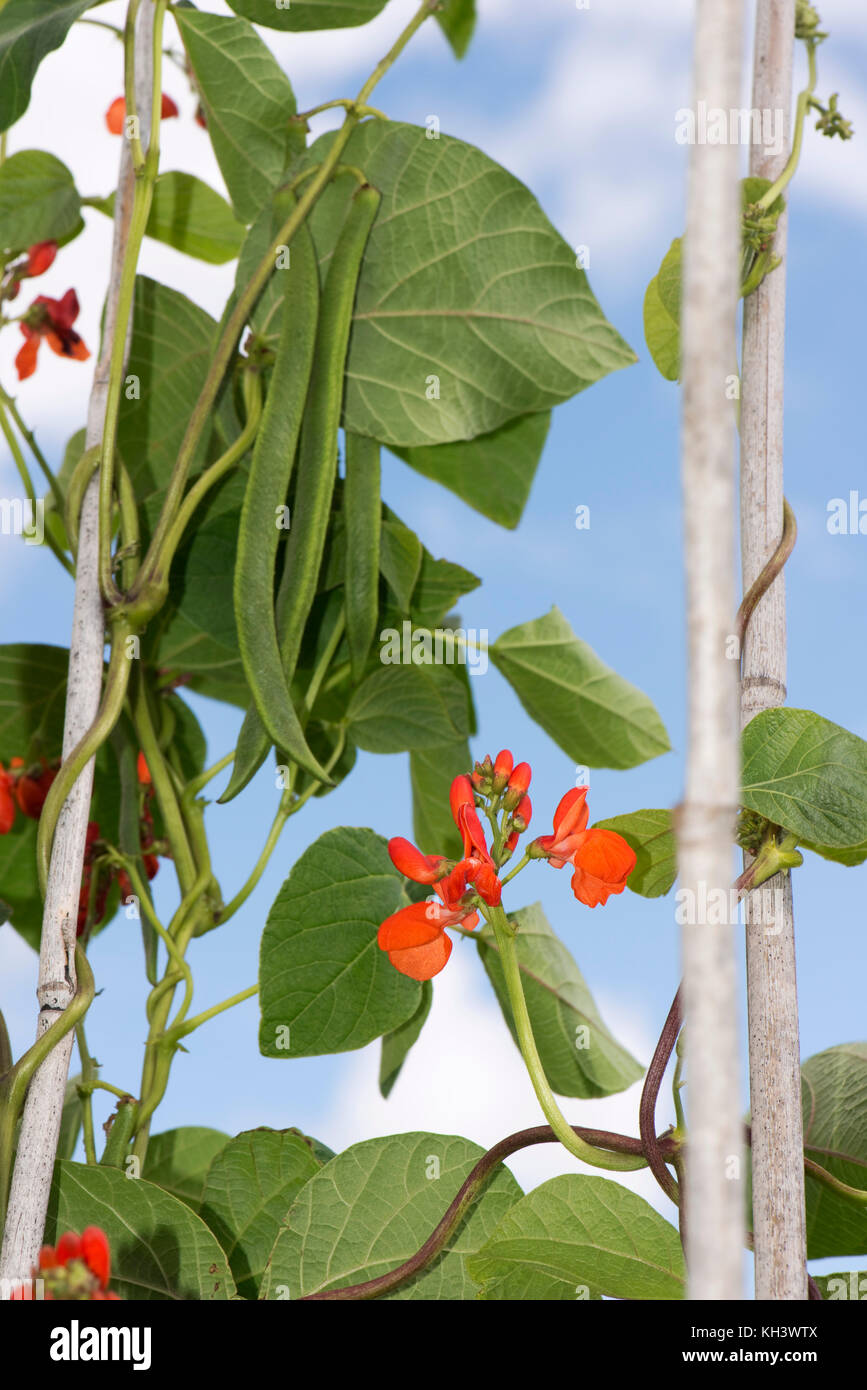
{"points": [[362, 515], [317, 469]]}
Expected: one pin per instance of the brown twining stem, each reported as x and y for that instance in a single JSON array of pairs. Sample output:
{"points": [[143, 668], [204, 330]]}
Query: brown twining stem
{"points": [[523, 1139], [766, 576], [647, 1108]]}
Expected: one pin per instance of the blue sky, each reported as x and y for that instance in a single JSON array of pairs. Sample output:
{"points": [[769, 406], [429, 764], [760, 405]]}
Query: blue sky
{"points": [[581, 105]]}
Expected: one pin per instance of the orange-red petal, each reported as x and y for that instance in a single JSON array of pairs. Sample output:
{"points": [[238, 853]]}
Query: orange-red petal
{"points": [[421, 868], [97, 1256], [25, 362], [603, 862], [411, 926], [423, 962], [114, 116]]}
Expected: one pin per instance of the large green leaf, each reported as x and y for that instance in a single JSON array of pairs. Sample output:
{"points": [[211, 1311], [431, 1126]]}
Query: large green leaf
{"points": [[579, 1054], [373, 1206], [493, 473], [396, 1045], [324, 984], [191, 216], [160, 1249], [432, 771], [308, 14], [593, 714], [808, 775], [38, 199], [28, 30], [834, 1095], [578, 1237], [251, 1186], [457, 19], [171, 346], [651, 835], [850, 1285], [402, 708], [470, 309], [178, 1160], [248, 102]]}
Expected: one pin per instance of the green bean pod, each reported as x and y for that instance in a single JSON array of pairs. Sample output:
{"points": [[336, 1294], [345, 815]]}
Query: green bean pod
{"points": [[317, 470], [362, 516], [265, 495]]}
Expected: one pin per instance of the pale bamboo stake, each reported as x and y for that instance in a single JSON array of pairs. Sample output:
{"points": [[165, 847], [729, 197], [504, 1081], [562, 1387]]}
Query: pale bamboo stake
{"points": [[706, 820], [772, 991], [40, 1125]]}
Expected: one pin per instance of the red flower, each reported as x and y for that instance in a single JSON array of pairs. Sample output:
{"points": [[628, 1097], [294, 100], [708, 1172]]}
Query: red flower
{"points": [[78, 1267], [144, 772], [517, 785], [116, 113], [603, 862], [415, 938], [421, 868], [570, 818], [477, 865], [30, 792], [51, 319], [40, 257], [503, 764], [95, 1252]]}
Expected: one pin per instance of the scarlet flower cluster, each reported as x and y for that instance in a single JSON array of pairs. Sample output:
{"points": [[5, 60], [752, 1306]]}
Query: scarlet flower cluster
{"points": [[25, 788], [601, 860], [78, 1268]]}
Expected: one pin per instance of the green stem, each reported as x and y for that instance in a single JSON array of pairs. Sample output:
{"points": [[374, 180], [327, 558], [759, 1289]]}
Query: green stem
{"points": [[110, 709], [192, 789], [785, 178], [85, 1090], [30, 491], [598, 1158], [253, 398], [163, 787], [325, 661], [30, 439], [287, 808], [146, 167], [182, 1030], [858, 1195], [517, 869]]}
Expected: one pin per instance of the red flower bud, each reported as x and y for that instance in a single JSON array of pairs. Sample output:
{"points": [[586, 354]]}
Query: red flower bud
{"points": [[502, 769], [517, 786], [94, 1249], [144, 772]]}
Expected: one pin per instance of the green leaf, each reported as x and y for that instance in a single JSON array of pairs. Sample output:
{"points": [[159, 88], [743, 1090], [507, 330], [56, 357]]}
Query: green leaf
{"points": [[397, 1044], [324, 984], [470, 309], [579, 1236], [38, 199], [846, 1284], [178, 1160], [457, 19], [494, 472], [661, 333], [374, 1205], [432, 771], [248, 103], [594, 715], [160, 1249], [308, 14], [851, 856], [28, 30], [171, 348], [191, 216], [808, 775], [400, 557], [402, 708], [439, 586], [251, 1185], [834, 1099], [651, 835], [579, 1054]]}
